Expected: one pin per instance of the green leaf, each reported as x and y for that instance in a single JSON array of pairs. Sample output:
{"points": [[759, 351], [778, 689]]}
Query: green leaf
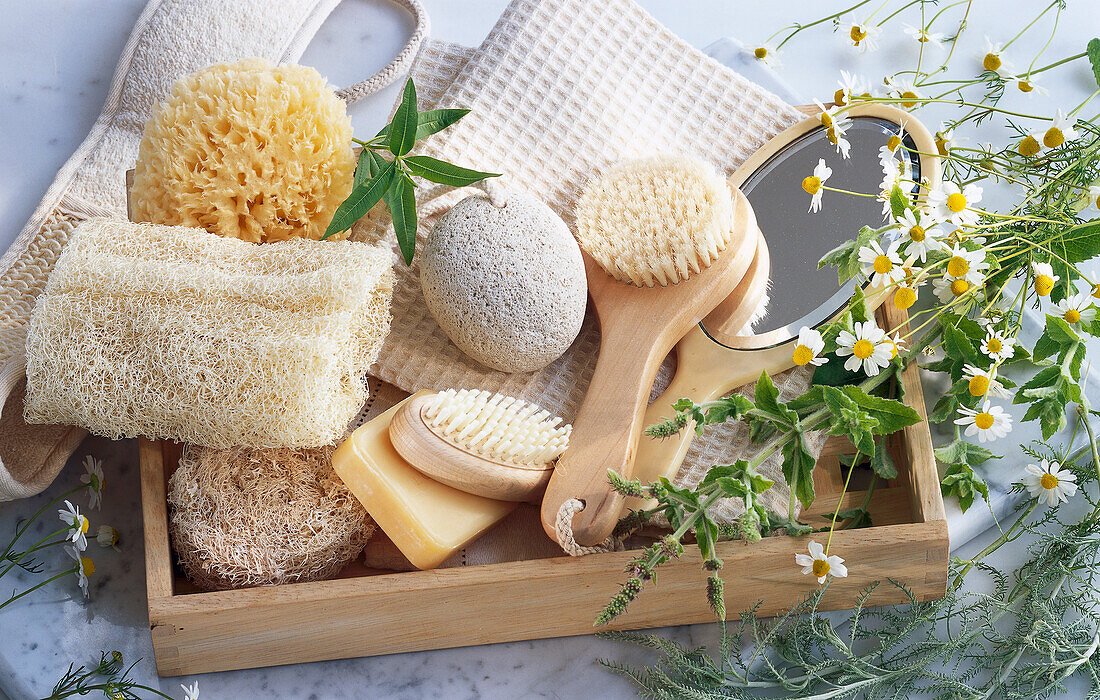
{"points": [[832, 373], [963, 452], [432, 121], [849, 420], [402, 203], [899, 201], [402, 133], [731, 408], [961, 481], [859, 517], [891, 415], [360, 201], [1094, 58], [958, 346], [882, 463], [945, 409], [846, 256], [363, 168], [798, 469], [445, 173]]}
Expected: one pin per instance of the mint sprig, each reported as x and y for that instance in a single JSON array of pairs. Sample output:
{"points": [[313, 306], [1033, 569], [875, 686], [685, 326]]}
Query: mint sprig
{"points": [[378, 179]]}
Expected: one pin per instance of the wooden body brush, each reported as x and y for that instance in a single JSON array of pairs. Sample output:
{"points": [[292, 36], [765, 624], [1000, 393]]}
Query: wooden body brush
{"points": [[485, 444], [665, 240], [714, 357]]}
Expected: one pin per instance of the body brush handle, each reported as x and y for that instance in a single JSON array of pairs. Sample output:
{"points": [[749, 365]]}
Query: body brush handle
{"points": [[605, 431]]}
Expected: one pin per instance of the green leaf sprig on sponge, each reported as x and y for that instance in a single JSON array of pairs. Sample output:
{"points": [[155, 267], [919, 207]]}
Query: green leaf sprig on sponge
{"points": [[390, 180]]}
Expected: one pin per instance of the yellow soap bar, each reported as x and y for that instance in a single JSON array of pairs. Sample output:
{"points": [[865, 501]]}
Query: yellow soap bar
{"points": [[427, 520]]}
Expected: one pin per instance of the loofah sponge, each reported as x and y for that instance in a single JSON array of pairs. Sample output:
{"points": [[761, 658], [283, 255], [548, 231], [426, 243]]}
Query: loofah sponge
{"points": [[171, 332], [625, 221], [246, 150], [258, 517]]}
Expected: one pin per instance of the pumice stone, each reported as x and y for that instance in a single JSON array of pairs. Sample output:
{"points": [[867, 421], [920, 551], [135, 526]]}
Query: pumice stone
{"points": [[505, 281]]}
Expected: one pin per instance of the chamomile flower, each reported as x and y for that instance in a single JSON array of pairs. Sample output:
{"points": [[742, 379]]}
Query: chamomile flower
{"points": [[93, 476], [1047, 481], [989, 423], [886, 153], [919, 229], [852, 86], [982, 383], [966, 264], [882, 267], [836, 126], [767, 54], [949, 202], [946, 140], [1045, 278], [905, 295], [862, 36], [1029, 85], [813, 184], [107, 536], [993, 60], [1076, 310], [923, 36], [192, 692], [808, 349], [948, 288], [84, 568], [997, 346], [70, 515], [904, 90], [896, 343], [1030, 145], [819, 565], [1061, 131], [867, 347]]}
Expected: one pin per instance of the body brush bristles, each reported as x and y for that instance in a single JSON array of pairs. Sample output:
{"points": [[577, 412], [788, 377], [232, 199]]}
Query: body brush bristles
{"points": [[497, 427], [656, 220]]}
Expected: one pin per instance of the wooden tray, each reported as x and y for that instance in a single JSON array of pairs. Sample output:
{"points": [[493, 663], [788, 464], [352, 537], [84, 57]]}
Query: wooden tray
{"points": [[364, 613]]}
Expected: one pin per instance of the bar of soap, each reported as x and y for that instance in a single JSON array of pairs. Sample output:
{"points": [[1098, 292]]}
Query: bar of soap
{"points": [[427, 520]]}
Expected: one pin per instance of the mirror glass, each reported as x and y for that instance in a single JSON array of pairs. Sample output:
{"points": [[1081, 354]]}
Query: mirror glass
{"points": [[801, 294]]}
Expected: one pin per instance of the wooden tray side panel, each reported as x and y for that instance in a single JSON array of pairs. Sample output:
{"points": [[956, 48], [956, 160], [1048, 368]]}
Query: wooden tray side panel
{"points": [[507, 602]]}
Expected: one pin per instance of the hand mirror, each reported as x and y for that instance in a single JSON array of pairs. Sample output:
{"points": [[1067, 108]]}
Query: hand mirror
{"points": [[713, 359]]}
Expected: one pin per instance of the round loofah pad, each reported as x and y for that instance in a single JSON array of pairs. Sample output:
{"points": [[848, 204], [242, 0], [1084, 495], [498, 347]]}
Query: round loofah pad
{"points": [[655, 220], [246, 150], [245, 517]]}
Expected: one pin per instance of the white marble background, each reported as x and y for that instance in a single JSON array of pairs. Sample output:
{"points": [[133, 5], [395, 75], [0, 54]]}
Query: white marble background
{"points": [[56, 61]]}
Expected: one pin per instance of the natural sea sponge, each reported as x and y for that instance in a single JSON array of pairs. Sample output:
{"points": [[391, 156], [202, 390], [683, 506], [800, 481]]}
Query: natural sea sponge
{"points": [[260, 517], [173, 332], [246, 150]]}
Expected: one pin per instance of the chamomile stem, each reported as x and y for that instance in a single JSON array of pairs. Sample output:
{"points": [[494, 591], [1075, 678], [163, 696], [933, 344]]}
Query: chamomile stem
{"points": [[22, 555], [27, 523], [35, 587], [836, 512], [801, 27]]}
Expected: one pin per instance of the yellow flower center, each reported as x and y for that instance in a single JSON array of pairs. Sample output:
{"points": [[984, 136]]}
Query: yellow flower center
{"points": [[909, 98], [760, 52], [803, 355], [905, 297], [83, 524], [923, 37], [893, 348], [1048, 481], [1044, 284], [839, 97], [821, 567], [863, 349], [958, 266], [956, 202], [979, 385], [984, 420], [1072, 316], [994, 345], [1028, 147], [1025, 85], [826, 119], [1053, 137], [991, 61], [883, 264], [917, 233], [812, 184], [831, 134], [893, 142], [1096, 291], [941, 145], [87, 566], [960, 287], [857, 34]]}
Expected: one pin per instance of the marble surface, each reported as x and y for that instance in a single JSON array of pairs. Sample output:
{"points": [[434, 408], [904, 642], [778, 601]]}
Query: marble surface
{"points": [[56, 60]]}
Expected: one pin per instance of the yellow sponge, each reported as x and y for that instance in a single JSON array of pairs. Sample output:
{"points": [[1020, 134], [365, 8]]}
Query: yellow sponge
{"points": [[172, 332], [246, 150]]}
